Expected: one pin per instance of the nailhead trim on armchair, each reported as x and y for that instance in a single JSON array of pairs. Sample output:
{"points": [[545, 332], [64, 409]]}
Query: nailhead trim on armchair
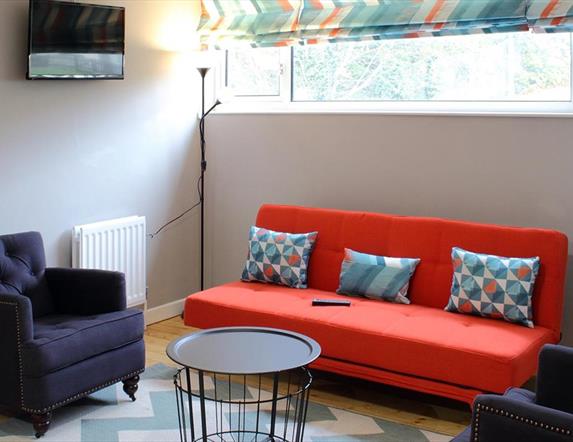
{"points": [[485, 408], [19, 344], [82, 394]]}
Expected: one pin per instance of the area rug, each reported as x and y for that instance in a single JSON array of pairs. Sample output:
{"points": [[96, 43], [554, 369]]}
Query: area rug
{"points": [[109, 416]]}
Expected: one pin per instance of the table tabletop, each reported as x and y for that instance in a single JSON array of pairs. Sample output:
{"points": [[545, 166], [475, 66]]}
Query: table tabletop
{"points": [[244, 350]]}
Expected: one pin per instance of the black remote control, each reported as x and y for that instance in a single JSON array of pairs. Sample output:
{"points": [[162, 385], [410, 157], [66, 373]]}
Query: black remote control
{"points": [[330, 302]]}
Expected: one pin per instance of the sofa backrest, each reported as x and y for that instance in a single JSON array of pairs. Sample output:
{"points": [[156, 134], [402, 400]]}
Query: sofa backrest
{"points": [[431, 240], [22, 268]]}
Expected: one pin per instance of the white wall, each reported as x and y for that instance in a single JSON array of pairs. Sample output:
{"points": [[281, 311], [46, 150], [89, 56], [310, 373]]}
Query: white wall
{"points": [[500, 170], [74, 152]]}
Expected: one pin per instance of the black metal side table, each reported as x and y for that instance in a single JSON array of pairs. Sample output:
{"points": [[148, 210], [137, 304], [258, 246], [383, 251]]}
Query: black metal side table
{"points": [[220, 391]]}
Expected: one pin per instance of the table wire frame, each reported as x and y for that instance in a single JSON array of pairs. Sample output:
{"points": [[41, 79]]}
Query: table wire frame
{"points": [[214, 407]]}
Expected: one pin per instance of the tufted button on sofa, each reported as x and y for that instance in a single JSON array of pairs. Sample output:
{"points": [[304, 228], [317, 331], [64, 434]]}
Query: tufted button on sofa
{"points": [[64, 333]]}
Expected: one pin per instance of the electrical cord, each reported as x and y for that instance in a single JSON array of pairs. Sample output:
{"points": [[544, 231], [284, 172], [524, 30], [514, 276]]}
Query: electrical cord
{"points": [[168, 223], [203, 167]]}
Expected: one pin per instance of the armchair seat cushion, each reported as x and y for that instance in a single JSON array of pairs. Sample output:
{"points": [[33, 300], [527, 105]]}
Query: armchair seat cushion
{"points": [[520, 394], [63, 340]]}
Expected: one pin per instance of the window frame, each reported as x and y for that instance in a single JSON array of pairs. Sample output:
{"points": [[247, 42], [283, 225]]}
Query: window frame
{"points": [[283, 103], [285, 91]]}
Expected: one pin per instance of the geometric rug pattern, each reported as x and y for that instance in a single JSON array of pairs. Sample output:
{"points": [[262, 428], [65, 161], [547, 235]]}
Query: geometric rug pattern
{"points": [[109, 416]]}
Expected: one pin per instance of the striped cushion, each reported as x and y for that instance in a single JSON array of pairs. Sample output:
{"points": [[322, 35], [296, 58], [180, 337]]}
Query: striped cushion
{"points": [[376, 277]]}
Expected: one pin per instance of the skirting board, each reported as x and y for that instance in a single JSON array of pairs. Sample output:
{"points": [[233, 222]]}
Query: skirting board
{"points": [[163, 312]]}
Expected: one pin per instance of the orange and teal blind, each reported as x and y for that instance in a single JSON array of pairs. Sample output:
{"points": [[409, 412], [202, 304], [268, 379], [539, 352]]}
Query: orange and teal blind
{"points": [[264, 23]]}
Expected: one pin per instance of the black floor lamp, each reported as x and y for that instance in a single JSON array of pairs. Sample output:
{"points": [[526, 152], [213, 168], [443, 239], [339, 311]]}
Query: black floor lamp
{"points": [[203, 73]]}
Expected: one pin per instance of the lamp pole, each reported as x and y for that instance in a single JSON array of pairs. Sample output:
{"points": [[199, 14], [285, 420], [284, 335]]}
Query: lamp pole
{"points": [[203, 72]]}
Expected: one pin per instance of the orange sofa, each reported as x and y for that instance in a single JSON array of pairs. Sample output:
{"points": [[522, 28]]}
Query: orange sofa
{"points": [[418, 346]]}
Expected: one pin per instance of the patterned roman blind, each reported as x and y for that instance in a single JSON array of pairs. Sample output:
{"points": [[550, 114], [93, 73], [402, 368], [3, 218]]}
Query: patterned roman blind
{"points": [[263, 23]]}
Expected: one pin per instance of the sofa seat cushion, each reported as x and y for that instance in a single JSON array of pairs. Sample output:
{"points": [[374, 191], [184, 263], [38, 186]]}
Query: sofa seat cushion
{"points": [[63, 340], [417, 340]]}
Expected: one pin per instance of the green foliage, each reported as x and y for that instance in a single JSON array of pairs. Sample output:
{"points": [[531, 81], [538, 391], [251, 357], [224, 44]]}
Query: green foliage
{"points": [[482, 67]]}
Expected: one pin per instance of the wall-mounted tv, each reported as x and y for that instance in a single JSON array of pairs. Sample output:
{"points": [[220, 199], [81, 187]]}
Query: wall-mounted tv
{"points": [[75, 41]]}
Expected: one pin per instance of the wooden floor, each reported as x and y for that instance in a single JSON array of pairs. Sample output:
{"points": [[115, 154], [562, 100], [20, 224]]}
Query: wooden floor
{"points": [[397, 405]]}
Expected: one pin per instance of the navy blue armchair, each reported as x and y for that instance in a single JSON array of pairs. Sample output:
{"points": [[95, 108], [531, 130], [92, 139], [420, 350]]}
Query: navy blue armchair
{"points": [[522, 415], [64, 333]]}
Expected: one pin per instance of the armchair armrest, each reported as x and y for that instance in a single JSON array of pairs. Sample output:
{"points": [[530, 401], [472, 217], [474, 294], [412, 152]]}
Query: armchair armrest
{"points": [[15, 316], [86, 292], [554, 380], [499, 418], [16, 328]]}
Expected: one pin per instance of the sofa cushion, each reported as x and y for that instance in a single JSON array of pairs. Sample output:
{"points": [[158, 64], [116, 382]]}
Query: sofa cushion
{"points": [[376, 277], [62, 340], [278, 257], [493, 286], [411, 339]]}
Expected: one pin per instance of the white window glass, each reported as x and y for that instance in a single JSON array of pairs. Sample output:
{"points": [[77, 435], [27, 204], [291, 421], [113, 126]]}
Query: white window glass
{"points": [[495, 67], [254, 72]]}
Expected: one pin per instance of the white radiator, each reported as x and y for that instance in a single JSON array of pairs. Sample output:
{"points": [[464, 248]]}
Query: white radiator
{"points": [[117, 244]]}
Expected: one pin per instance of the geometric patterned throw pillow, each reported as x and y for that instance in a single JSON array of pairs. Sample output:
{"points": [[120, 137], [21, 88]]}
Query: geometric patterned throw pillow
{"points": [[376, 277], [278, 257], [493, 286]]}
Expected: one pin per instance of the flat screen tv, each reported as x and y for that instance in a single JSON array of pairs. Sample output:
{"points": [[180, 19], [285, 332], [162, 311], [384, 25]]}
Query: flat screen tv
{"points": [[75, 41]]}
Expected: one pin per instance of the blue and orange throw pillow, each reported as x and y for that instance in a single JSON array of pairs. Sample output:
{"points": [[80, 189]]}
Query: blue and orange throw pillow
{"points": [[493, 286], [279, 257]]}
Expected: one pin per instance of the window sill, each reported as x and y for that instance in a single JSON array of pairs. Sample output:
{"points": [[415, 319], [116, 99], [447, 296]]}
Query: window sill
{"points": [[528, 110]]}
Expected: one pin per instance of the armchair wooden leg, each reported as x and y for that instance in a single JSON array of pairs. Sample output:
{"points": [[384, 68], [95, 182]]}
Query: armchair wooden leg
{"points": [[41, 423], [130, 386]]}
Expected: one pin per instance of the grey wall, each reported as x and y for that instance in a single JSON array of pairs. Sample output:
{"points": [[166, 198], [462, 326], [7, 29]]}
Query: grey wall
{"points": [[500, 170], [85, 151]]}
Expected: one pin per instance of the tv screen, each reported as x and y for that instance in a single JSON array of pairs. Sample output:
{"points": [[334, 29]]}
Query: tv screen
{"points": [[75, 41]]}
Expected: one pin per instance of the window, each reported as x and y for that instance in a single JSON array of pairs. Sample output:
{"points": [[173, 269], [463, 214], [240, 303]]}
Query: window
{"points": [[253, 72], [497, 72], [486, 68]]}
